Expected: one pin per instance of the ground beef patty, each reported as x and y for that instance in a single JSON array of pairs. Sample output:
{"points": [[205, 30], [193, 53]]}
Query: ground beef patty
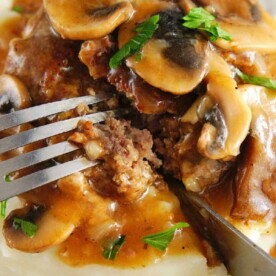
{"points": [[128, 163]]}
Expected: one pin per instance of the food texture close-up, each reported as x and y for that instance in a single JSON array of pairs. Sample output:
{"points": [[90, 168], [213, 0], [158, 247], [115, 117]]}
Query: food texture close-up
{"points": [[115, 114]]}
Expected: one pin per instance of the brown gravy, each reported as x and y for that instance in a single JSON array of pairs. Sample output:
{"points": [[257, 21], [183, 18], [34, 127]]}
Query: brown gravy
{"points": [[273, 251], [141, 219], [13, 27], [11, 30], [157, 211]]}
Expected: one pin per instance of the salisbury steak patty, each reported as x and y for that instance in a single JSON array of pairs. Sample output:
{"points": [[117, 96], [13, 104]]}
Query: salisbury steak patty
{"points": [[128, 163]]}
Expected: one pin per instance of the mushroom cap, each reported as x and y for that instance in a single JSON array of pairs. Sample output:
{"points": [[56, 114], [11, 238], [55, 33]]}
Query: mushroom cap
{"points": [[175, 60], [227, 124], [248, 23], [245, 9], [83, 20], [51, 230], [13, 93], [248, 36], [162, 72], [254, 185], [225, 115]]}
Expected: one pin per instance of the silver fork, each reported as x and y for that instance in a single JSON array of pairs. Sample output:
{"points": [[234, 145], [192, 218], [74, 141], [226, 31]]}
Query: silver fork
{"points": [[42, 177]]}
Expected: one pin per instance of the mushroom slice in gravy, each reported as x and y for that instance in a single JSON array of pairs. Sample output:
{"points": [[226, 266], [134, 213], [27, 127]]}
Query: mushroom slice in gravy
{"points": [[50, 229], [255, 185], [227, 116], [229, 121], [175, 60], [250, 26], [13, 93], [87, 19]]}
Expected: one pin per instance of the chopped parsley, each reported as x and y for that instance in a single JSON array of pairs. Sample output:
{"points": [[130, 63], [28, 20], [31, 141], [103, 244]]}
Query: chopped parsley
{"points": [[18, 9], [112, 248], [201, 19], [7, 178], [27, 227], [161, 240], [261, 81], [3, 208], [144, 32]]}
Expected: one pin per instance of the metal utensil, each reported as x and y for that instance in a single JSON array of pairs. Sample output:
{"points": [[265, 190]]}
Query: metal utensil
{"points": [[242, 257], [34, 157]]}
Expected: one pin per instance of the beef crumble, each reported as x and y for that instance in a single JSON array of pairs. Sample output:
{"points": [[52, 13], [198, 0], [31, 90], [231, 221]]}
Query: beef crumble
{"points": [[128, 161]]}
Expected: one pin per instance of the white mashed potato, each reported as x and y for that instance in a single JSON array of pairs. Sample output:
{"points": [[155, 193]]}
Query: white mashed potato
{"points": [[16, 263], [264, 235]]}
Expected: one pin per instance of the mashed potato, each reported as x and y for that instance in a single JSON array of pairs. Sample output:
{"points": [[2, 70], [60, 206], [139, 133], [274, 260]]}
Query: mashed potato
{"points": [[16, 263]]}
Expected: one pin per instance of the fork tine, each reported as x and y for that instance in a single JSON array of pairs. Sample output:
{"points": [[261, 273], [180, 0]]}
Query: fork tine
{"points": [[33, 113], [39, 133], [34, 157], [43, 177]]}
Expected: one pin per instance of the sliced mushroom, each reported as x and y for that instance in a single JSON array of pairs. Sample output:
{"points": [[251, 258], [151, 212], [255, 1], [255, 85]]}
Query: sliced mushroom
{"points": [[51, 230], [255, 180], [198, 110], [83, 20], [174, 60], [248, 37], [226, 115], [244, 9], [13, 94], [250, 26]]}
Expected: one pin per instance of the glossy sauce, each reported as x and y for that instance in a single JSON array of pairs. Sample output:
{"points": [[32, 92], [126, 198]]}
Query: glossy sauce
{"points": [[273, 251], [14, 26], [28, 6], [221, 196], [11, 30], [145, 217], [157, 211]]}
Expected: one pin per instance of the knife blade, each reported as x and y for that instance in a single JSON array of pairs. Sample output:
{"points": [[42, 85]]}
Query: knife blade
{"points": [[242, 257]]}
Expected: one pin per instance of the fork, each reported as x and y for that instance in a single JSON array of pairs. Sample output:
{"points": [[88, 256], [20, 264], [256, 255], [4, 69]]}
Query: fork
{"points": [[47, 175]]}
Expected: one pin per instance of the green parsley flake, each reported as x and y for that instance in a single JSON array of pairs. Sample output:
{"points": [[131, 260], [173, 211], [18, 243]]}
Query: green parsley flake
{"points": [[261, 81], [112, 248], [3, 208], [145, 32], [7, 178], [199, 18], [27, 227], [18, 9], [161, 240]]}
